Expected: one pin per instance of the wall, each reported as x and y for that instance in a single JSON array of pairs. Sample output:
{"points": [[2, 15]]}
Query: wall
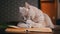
{"points": [[9, 9]]}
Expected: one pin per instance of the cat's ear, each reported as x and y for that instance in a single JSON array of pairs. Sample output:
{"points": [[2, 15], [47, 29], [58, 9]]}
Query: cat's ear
{"points": [[27, 5]]}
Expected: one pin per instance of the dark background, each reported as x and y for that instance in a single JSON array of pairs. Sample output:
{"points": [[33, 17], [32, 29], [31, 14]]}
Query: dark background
{"points": [[9, 9]]}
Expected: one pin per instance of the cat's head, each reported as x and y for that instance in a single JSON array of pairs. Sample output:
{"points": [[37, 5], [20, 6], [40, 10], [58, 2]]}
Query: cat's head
{"points": [[24, 10]]}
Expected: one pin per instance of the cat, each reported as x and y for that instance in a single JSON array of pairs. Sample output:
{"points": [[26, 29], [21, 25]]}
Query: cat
{"points": [[33, 17]]}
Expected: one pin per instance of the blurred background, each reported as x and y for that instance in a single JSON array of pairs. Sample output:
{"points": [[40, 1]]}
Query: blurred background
{"points": [[9, 10]]}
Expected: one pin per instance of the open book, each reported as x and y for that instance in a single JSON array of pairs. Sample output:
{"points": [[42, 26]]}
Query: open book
{"points": [[22, 30]]}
